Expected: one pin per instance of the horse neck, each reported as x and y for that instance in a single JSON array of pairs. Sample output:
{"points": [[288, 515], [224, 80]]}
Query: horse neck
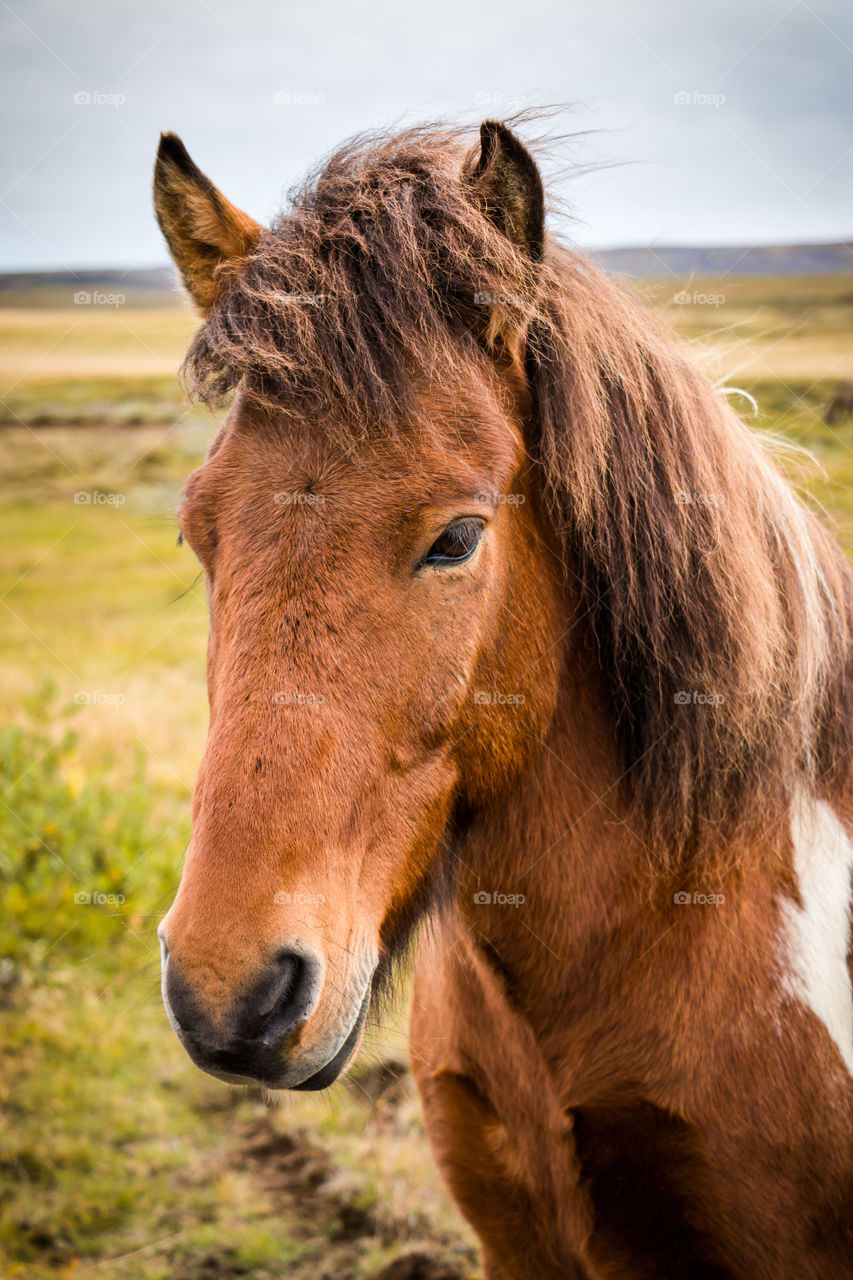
{"points": [[564, 840]]}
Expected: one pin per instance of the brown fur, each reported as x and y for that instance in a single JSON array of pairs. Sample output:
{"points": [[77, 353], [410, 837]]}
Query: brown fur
{"points": [[615, 1085]]}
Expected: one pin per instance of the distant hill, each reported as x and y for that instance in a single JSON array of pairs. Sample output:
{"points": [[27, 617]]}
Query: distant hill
{"points": [[153, 286], [156, 286], [684, 261]]}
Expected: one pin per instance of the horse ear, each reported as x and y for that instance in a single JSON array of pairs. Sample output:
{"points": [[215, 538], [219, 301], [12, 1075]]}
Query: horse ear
{"points": [[506, 185], [203, 230]]}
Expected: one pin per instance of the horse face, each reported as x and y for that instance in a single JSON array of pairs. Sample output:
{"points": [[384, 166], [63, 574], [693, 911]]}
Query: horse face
{"points": [[377, 660], [384, 625]]}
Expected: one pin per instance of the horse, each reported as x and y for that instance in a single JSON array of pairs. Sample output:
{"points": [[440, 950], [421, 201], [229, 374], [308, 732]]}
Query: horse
{"points": [[527, 660]]}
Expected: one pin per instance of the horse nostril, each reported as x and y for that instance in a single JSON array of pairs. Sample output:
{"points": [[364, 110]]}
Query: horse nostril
{"points": [[276, 1002]]}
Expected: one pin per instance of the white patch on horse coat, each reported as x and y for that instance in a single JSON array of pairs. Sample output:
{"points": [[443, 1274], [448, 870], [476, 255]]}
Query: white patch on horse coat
{"points": [[818, 932]]}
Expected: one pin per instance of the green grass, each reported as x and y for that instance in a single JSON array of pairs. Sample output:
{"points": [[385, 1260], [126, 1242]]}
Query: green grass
{"points": [[91, 400], [100, 599]]}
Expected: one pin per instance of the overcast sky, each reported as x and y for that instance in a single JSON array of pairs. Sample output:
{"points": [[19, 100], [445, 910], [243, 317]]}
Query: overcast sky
{"points": [[725, 122]]}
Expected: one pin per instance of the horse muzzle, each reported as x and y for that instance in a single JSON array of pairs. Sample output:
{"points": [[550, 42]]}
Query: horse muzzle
{"points": [[263, 1037]]}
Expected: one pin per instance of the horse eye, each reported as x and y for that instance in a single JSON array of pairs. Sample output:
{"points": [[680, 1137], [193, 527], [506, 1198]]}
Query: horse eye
{"points": [[456, 544]]}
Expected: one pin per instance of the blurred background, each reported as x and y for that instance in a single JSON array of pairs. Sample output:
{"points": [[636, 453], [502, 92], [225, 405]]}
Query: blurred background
{"points": [[709, 163]]}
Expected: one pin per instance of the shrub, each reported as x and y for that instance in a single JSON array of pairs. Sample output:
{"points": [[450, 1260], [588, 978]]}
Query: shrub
{"points": [[82, 859]]}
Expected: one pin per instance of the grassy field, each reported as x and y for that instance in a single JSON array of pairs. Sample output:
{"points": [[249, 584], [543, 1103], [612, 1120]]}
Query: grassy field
{"points": [[117, 1157]]}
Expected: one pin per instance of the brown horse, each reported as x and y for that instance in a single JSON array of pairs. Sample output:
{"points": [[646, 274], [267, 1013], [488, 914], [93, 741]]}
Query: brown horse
{"points": [[516, 632]]}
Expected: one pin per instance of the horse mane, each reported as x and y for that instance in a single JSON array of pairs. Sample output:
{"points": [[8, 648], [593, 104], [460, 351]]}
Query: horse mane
{"points": [[719, 606]]}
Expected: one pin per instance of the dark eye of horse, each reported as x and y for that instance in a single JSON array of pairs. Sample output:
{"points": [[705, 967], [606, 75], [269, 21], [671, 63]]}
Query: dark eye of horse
{"points": [[456, 544]]}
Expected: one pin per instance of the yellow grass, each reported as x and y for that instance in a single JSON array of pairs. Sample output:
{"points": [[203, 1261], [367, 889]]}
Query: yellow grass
{"points": [[91, 342]]}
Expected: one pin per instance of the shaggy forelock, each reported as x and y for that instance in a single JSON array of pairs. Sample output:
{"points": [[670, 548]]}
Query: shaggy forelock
{"points": [[380, 268]]}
